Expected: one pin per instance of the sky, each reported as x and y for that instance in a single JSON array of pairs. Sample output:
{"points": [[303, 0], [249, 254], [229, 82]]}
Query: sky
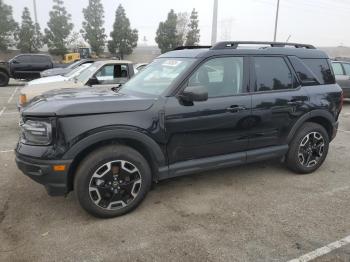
{"points": [[317, 22]]}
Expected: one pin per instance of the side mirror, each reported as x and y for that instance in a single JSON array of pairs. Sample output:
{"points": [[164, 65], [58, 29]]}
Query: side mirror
{"points": [[195, 94], [92, 81], [15, 61]]}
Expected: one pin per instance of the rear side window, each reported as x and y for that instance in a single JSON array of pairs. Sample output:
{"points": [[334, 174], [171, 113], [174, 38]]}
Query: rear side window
{"points": [[321, 69], [272, 73], [347, 69], [40, 59], [337, 69]]}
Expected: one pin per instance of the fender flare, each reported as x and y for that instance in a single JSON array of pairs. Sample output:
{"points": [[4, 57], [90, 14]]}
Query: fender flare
{"points": [[117, 133], [314, 113]]}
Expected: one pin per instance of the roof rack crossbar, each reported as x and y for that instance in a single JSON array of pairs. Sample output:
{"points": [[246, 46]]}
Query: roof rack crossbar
{"points": [[235, 44], [191, 47]]}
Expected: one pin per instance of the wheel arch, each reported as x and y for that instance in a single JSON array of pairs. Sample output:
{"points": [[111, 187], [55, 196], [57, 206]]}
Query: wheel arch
{"points": [[136, 140], [321, 117]]}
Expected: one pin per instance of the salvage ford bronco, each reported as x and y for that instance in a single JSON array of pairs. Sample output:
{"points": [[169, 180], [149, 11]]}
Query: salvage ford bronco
{"points": [[192, 109]]}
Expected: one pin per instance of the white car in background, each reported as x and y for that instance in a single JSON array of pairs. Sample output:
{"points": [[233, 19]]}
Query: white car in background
{"points": [[58, 78]]}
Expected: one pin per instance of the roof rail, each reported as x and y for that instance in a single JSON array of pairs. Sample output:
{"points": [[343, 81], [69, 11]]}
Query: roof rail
{"points": [[191, 47], [235, 44]]}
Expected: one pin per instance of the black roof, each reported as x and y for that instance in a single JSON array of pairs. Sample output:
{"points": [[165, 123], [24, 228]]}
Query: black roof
{"points": [[270, 48]]}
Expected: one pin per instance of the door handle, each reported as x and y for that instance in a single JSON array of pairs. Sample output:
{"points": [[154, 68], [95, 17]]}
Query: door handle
{"points": [[294, 102], [235, 109]]}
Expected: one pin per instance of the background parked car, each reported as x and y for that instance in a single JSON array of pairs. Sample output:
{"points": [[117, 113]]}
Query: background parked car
{"points": [[342, 75], [58, 78], [65, 70], [101, 74], [24, 66]]}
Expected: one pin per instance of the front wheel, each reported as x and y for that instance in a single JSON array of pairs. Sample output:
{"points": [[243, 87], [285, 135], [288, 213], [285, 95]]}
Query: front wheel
{"points": [[112, 181], [308, 148]]}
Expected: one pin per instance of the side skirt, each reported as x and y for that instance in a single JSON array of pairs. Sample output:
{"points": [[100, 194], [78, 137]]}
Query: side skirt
{"points": [[216, 162]]}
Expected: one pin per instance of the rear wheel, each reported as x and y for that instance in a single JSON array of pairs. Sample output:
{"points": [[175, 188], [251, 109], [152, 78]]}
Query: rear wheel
{"points": [[308, 149], [4, 79], [112, 181]]}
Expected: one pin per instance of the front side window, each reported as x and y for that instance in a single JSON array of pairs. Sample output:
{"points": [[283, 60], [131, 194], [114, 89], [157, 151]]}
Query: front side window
{"points": [[272, 73], [347, 69], [112, 74], [337, 69], [158, 76], [221, 76]]}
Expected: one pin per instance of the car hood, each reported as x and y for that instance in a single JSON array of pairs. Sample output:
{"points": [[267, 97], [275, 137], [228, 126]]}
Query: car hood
{"points": [[32, 91], [45, 80], [86, 101]]}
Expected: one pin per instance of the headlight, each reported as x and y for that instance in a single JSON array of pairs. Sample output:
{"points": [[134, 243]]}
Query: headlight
{"points": [[36, 132], [22, 99]]}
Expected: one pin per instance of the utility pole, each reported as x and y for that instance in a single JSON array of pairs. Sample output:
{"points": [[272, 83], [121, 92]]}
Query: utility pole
{"points": [[276, 20], [35, 13], [215, 23]]}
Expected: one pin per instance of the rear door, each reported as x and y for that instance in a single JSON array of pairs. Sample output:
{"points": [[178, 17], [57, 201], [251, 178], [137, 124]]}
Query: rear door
{"points": [[40, 63], [277, 100]]}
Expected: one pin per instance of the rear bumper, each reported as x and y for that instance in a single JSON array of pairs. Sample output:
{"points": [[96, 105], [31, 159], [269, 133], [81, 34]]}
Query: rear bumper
{"points": [[41, 171]]}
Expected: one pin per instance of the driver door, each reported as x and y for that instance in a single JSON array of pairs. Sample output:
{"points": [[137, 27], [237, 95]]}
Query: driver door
{"points": [[217, 126]]}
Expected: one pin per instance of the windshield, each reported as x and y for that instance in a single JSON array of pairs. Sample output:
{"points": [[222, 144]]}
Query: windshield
{"points": [[85, 75], [73, 65], [75, 72], [157, 76]]}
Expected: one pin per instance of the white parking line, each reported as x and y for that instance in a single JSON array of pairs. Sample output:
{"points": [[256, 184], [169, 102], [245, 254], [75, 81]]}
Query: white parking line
{"points": [[345, 131], [2, 110], [323, 250], [6, 151], [12, 95]]}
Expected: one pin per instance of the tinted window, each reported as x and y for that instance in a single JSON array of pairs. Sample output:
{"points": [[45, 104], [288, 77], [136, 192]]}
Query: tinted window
{"points": [[22, 59], [304, 73], [321, 69], [221, 76], [39, 59], [337, 69], [272, 73], [347, 69]]}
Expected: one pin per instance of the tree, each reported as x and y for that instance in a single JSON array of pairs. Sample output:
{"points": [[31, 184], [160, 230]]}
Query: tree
{"points": [[8, 26], [93, 30], [59, 28], [166, 36], [124, 39], [29, 36], [182, 26], [193, 35]]}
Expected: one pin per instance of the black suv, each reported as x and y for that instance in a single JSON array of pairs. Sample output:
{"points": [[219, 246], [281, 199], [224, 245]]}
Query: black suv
{"points": [[192, 109], [24, 66]]}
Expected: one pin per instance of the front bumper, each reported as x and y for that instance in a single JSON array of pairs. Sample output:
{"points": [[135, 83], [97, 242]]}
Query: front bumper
{"points": [[41, 171]]}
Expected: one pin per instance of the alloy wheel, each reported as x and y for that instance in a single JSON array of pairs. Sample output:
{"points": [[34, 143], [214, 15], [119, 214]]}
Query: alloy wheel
{"points": [[311, 149], [115, 184]]}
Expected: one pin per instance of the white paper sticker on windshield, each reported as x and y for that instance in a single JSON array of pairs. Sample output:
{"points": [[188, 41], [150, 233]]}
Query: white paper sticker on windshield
{"points": [[172, 63]]}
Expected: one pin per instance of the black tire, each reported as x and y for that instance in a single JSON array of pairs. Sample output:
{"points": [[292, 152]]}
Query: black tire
{"points": [[4, 79], [295, 160], [92, 164]]}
